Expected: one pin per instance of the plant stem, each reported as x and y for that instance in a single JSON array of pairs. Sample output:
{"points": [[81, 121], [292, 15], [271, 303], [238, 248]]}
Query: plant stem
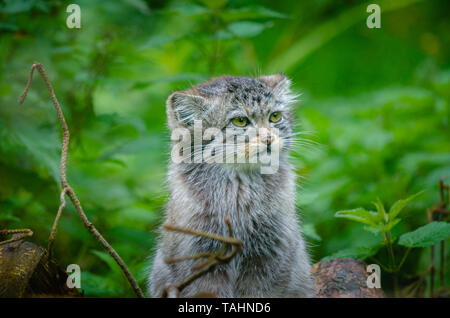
{"points": [[403, 259], [387, 236], [441, 269], [376, 261], [432, 271]]}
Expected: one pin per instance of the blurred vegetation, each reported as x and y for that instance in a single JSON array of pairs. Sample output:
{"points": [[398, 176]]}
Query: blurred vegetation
{"points": [[374, 105]]}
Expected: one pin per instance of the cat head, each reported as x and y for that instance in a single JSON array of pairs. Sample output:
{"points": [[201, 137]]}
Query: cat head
{"points": [[237, 104]]}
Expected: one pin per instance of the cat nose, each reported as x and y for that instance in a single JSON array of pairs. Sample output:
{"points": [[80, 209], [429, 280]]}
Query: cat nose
{"points": [[267, 139]]}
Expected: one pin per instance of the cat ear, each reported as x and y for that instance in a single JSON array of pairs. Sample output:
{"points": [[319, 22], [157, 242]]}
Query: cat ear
{"points": [[278, 83], [183, 108]]}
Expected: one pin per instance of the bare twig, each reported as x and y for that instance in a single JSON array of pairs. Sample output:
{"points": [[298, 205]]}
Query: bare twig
{"points": [[172, 260], [25, 233], [67, 189], [51, 239], [212, 259], [220, 238]]}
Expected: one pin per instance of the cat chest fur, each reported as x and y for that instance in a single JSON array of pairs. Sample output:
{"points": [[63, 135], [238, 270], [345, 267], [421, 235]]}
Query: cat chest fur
{"points": [[261, 208]]}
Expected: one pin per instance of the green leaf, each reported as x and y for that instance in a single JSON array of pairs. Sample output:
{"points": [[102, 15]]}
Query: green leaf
{"points": [[16, 6], [354, 252], [160, 39], [109, 261], [390, 225], [42, 144], [374, 229], [359, 215], [380, 209], [398, 206], [100, 286], [427, 235], [242, 29], [381, 228]]}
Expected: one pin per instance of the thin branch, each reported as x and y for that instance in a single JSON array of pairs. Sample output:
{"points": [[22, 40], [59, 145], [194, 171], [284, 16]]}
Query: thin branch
{"points": [[212, 258], [65, 128], [25, 233], [67, 189], [220, 238], [55, 223], [172, 260]]}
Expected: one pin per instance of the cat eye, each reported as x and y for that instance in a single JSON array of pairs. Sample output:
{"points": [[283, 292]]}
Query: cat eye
{"points": [[275, 117], [240, 121]]}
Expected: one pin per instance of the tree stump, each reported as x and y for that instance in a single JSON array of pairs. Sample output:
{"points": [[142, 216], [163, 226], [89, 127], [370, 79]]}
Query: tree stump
{"points": [[343, 278], [26, 271]]}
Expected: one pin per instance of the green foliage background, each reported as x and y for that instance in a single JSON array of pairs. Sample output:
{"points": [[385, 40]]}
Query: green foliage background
{"points": [[374, 104]]}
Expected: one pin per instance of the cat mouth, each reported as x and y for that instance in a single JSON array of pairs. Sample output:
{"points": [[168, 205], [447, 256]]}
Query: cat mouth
{"points": [[267, 148]]}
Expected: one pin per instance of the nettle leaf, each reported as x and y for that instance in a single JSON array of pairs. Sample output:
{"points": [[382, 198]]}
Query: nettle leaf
{"points": [[390, 225], [374, 228], [427, 235], [360, 215], [398, 206], [380, 209], [354, 252], [381, 228]]}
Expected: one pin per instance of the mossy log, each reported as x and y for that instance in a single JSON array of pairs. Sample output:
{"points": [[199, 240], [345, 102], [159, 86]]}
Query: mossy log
{"points": [[26, 271]]}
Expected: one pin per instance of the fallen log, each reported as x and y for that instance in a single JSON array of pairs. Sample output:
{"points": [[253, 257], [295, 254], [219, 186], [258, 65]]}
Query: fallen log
{"points": [[27, 271]]}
